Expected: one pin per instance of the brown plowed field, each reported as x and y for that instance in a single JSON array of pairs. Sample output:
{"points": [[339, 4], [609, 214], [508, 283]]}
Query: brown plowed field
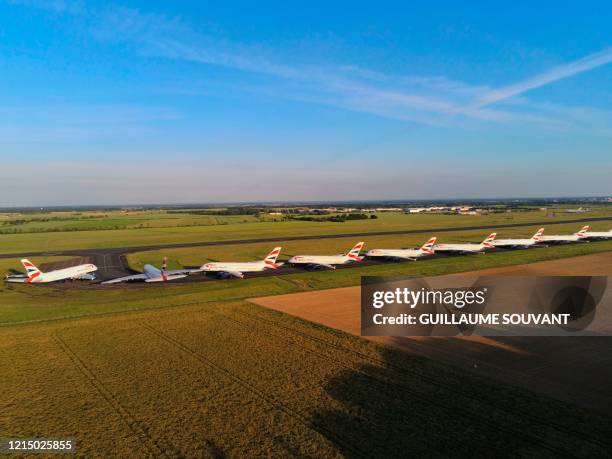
{"points": [[577, 369]]}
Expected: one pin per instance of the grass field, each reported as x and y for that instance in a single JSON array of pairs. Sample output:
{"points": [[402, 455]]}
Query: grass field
{"points": [[196, 256], [232, 379], [23, 303], [150, 235], [194, 370], [45, 222]]}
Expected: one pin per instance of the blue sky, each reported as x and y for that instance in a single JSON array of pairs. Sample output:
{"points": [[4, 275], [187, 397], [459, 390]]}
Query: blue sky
{"points": [[162, 102]]}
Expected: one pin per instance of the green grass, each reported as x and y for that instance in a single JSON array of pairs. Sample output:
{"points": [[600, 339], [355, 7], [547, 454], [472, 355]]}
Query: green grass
{"points": [[236, 380], [24, 303], [196, 256], [193, 370], [224, 228], [105, 221]]}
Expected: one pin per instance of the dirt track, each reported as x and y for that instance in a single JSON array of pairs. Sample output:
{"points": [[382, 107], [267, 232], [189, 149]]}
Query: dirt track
{"points": [[577, 369]]}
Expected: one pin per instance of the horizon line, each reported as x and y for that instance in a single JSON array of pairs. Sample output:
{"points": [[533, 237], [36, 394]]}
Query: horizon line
{"points": [[306, 202]]}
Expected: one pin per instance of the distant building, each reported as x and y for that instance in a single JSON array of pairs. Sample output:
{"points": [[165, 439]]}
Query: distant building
{"points": [[580, 210]]}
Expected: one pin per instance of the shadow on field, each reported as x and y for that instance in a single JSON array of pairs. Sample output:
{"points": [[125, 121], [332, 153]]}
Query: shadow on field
{"points": [[577, 370], [402, 405]]}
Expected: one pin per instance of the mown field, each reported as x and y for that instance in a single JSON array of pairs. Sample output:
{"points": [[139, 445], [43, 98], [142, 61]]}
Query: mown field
{"points": [[232, 380], [155, 234]]}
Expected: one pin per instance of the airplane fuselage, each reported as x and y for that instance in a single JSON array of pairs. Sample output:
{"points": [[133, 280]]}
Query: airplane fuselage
{"points": [[397, 253], [598, 234], [514, 242], [243, 267], [320, 259], [561, 238], [154, 274], [74, 272], [460, 248]]}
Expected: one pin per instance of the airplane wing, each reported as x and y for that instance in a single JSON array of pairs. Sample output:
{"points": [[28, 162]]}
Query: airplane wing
{"points": [[401, 258], [168, 277], [446, 249], [512, 246], [16, 278], [127, 279], [183, 271], [321, 265], [456, 251], [598, 236], [237, 274]]}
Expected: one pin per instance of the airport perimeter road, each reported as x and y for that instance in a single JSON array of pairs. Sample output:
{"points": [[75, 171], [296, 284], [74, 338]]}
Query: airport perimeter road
{"points": [[117, 251]]}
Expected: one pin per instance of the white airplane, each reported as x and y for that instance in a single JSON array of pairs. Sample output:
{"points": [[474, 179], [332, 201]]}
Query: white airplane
{"points": [[152, 274], [598, 234], [467, 247], [328, 261], [238, 269], [519, 243], [565, 238], [404, 254], [36, 276]]}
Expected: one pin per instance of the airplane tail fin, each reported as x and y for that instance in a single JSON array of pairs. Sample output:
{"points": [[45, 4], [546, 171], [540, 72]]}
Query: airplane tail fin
{"points": [[32, 271], [536, 236], [582, 231], [164, 268], [488, 242], [354, 252], [428, 246], [270, 260]]}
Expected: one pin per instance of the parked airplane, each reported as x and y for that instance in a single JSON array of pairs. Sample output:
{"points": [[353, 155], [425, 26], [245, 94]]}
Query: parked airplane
{"points": [[519, 243], [598, 234], [328, 261], [404, 254], [36, 276], [467, 247], [565, 238], [152, 274], [238, 269]]}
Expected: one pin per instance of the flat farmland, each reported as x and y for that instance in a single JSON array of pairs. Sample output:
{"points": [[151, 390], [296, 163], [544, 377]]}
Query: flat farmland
{"points": [[233, 379], [153, 233], [578, 369], [47, 222]]}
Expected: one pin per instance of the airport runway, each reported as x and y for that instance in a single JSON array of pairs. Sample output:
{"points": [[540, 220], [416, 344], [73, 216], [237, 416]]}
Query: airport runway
{"points": [[111, 262]]}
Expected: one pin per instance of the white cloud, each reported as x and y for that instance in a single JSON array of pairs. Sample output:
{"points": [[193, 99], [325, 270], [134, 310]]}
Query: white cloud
{"points": [[557, 73], [433, 100]]}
